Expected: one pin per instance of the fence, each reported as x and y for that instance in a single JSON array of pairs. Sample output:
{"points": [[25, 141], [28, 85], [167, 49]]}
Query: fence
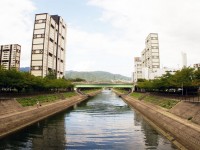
{"points": [[189, 98]]}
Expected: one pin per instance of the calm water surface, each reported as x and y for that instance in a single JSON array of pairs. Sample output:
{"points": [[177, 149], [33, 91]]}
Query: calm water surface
{"points": [[103, 122]]}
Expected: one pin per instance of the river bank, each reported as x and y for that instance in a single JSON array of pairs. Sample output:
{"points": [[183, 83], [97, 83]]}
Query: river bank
{"points": [[19, 119], [182, 132]]}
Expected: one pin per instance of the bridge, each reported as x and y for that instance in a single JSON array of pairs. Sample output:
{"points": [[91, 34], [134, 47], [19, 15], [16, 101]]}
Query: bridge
{"points": [[79, 85], [103, 85]]}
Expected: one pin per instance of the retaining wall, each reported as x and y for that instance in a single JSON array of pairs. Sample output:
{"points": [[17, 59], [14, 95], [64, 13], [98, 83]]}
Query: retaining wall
{"points": [[15, 121], [187, 110], [186, 134]]}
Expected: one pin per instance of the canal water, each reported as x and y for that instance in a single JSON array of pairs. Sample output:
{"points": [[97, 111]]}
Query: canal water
{"points": [[102, 122]]}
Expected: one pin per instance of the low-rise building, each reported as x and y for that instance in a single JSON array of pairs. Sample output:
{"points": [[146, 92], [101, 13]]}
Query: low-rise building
{"points": [[10, 56], [196, 66], [161, 71]]}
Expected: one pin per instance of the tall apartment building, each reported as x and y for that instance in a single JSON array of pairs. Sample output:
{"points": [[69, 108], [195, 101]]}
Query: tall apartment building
{"points": [[48, 45], [150, 55], [138, 68], [10, 56]]}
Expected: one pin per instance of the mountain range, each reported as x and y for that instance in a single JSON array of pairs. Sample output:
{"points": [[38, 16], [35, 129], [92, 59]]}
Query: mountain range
{"points": [[24, 69], [101, 76]]}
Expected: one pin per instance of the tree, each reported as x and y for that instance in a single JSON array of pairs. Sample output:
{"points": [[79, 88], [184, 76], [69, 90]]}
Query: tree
{"points": [[196, 81], [51, 75]]}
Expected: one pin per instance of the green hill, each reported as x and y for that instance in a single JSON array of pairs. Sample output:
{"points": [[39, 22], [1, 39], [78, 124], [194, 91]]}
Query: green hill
{"points": [[100, 76]]}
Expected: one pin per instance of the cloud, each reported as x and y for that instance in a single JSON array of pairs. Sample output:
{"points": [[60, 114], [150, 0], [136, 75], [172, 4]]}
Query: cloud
{"points": [[88, 51], [17, 26], [176, 22], [84, 66], [118, 32]]}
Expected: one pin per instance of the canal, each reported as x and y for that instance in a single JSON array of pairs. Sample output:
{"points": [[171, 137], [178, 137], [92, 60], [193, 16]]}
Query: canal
{"points": [[102, 122]]}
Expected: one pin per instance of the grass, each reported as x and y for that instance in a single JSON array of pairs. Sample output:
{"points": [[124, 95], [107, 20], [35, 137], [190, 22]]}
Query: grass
{"points": [[161, 101], [157, 100], [30, 101], [136, 95]]}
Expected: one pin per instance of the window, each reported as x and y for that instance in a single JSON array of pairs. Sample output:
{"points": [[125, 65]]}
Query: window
{"points": [[38, 36], [50, 54], [52, 26], [51, 40], [40, 21], [35, 36], [43, 20], [38, 51], [37, 21], [154, 38], [155, 66], [36, 68]]}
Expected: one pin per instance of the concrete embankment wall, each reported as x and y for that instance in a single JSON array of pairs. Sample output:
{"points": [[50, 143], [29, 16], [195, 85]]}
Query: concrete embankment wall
{"points": [[188, 110], [9, 106], [12, 122], [184, 135]]}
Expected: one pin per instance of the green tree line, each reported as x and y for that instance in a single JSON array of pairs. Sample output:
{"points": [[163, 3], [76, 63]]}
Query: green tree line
{"points": [[13, 80], [187, 79]]}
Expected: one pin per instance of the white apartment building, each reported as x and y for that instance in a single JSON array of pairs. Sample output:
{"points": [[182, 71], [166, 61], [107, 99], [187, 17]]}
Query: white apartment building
{"points": [[150, 55], [138, 69], [184, 59], [48, 45], [10, 56]]}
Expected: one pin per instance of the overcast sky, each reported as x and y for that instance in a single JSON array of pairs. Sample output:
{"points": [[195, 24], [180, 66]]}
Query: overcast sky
{"points": [[105, 35]]}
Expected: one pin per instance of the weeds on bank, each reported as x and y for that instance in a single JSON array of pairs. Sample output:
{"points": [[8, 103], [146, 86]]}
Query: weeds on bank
{"points": [[157, 100], [136, 95], [161, 101], [30, 101]]}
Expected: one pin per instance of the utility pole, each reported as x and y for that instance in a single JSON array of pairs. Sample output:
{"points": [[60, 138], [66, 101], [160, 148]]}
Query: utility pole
{"points": [[182, 88]]}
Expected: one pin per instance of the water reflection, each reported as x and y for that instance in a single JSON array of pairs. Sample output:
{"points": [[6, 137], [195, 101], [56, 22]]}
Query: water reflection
{"points": [[103, 122]]}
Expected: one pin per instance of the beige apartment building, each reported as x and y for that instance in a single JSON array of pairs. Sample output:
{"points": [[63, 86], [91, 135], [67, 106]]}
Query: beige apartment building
{"points": [[48, 45], [138, 68], [10, 56], [150, 55]]}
